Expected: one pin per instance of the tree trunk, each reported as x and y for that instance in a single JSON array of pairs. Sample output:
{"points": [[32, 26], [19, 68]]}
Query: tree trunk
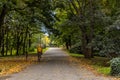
{"points": [[2, 16], [7, 43], [17, 49], [17, 46], [87, 51], [69, 41], [92, 22], [25, 43], [26, 53], [11, 51], [3, 49], [67, 45], [2, 42], [30, 40], [24, 47]]}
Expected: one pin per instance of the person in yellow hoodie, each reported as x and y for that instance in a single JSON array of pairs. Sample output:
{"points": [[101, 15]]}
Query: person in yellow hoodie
{"points": [[39, 52]]}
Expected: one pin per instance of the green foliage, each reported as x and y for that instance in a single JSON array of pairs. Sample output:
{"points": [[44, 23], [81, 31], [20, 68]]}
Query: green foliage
{"points": [[115, 67], [105, 46], [20, 20], [76, 48], [71, 21], [31, 49], [107, 43]]}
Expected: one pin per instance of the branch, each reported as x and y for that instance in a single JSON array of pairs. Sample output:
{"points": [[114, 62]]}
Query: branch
{"points": [[74, 6], [71, 9]]}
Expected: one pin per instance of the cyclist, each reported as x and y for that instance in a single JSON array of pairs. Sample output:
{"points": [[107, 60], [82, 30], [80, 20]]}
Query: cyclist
{"points": [[39, 52]]}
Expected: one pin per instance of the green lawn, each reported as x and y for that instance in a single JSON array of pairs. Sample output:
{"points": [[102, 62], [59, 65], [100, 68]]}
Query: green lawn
{"points": [[100, 64], [102, 69]]}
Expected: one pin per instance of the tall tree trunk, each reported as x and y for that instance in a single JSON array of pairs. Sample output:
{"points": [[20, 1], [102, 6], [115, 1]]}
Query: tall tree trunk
{"points": [[26, 53], [17, 45], [92, 22], [2, 42], [3, 48], [7, 42], [87, 37], [67, 45], [11, 49], [30, 40], [69, 41], [84, 45], [26, 46], [86, 50], [17, 49], [2, 16]]}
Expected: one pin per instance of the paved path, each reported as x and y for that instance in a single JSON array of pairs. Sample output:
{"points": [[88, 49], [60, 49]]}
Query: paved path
{"points": [[55, 65]]}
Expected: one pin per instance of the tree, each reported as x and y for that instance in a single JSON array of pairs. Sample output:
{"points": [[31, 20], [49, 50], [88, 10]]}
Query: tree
{"points": [[19, 20], [82, 17]]}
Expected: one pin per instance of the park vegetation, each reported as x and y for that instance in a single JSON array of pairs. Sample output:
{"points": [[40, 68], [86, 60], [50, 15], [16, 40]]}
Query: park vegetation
{"points": [[91, 28], [22, 28], [19, 21], [88, 27]]}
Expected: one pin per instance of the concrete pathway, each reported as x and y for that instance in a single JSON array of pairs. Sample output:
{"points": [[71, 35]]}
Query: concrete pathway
{"points": [[55, 65]]}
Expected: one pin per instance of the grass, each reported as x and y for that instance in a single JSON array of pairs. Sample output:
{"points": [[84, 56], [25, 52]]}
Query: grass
{"points": [[13, 64], [76, 55], [103, 70], [99, 65]]}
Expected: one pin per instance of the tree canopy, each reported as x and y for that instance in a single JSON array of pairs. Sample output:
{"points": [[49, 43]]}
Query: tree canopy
{"points": [[91, 25]]}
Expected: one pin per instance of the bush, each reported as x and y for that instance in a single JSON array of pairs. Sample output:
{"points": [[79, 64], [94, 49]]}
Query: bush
{"points": [[75, 48], [31, 49], [115, 67], [106, 46]]}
